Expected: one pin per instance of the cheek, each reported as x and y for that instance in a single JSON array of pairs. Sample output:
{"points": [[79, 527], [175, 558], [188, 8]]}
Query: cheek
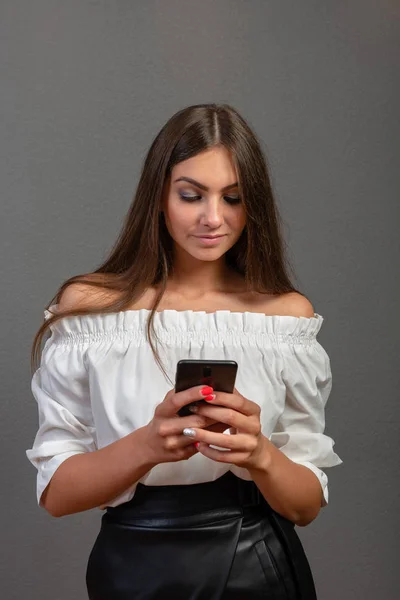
{"points": [[238, 220], [180, 220]]}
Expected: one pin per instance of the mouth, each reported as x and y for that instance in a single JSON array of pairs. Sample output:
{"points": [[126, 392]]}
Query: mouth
{"points": [[209, 240], [210, 237]]}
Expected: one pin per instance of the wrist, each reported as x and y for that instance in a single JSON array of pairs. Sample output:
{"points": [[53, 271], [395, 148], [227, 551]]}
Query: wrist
{"points": [[142, 449]]}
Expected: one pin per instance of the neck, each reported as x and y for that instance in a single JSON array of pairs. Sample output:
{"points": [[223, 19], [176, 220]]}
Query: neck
{"points": [[196, 281]]}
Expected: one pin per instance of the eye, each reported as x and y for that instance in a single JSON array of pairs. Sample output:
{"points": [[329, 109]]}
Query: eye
{"points": [[189, 198], [229, 199], [233, 199]]}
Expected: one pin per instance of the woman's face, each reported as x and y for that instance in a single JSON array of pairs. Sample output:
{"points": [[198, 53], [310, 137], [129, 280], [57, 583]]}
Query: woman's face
{"points": [[208, 205]]}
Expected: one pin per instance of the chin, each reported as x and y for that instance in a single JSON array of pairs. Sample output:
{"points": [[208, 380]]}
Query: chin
{"points": [[206, 256]]}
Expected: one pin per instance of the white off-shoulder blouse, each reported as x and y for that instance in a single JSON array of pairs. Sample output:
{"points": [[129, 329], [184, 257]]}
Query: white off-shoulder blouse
{"points": [[98, 381]]}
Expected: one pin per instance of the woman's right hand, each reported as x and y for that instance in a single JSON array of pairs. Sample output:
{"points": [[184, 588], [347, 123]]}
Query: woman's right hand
{"points": [[164, 439]]}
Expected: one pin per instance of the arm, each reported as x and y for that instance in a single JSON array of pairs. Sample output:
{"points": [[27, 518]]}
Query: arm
{"points": [[73, 475], [290, 489], [289, 475], [90, 479]]}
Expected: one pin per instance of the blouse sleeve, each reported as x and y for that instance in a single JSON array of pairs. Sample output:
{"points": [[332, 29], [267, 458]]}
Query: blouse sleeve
{"points": [[61, 390], [299, 432]]}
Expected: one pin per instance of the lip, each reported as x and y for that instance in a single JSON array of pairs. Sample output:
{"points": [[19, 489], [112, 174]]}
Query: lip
{"points": [[210, 240]]}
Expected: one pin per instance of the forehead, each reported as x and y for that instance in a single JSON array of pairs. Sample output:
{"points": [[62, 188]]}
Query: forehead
{"points": [[211, 166]]}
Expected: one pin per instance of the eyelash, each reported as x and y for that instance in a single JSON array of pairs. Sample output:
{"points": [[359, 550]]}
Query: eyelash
{"points": [[229, 199]]}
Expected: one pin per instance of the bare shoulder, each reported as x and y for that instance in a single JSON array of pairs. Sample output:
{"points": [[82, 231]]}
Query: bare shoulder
{"points": [[291, 304], [295, 305], [82, 295]]}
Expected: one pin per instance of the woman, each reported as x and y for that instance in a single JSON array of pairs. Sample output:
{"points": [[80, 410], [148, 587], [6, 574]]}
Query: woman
{"points": [[201, 506]]}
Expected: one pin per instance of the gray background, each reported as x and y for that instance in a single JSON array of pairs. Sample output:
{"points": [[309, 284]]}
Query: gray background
{"points": [[86, 85]]}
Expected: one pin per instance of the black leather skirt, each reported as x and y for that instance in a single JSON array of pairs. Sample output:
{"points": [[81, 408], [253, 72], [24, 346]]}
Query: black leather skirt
{"points": [[208, 541]]}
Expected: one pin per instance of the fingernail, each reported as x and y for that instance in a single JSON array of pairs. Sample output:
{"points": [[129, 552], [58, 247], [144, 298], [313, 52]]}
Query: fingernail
{"points": [[193, 408], [189, 431], [210, 397], [206, 390], [197, 444]]}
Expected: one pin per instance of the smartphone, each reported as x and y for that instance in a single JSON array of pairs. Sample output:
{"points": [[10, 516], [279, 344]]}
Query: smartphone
{"points": [[219, 374]]}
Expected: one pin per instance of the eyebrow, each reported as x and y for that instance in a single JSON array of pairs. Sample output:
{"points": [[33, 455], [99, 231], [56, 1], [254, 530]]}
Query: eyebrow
{"points": [[204, 187]]}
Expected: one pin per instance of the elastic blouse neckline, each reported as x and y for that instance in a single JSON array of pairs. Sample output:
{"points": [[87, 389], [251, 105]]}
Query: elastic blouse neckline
{"points": [[182, 324]]}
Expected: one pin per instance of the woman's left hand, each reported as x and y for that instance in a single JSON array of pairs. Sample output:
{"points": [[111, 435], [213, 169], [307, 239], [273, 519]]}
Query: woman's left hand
{"points": [[248, 447]]}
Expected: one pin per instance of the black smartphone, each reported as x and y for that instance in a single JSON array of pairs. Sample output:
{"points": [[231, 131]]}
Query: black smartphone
{"points": [[219, 374]]}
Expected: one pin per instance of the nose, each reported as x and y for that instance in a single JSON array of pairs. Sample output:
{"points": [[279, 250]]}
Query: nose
{"points": [[212, 214]]}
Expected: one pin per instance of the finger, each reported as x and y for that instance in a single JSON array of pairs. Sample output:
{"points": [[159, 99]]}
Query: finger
{"points": [[174, 401], [183, 452], [233, 418], [236, 402], [234, 458], [175, 442], [175, 425], [241, 441]]}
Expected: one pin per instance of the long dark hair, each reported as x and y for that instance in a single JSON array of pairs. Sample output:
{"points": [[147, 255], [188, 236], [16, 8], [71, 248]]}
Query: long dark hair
{"points": [[142, 254]]}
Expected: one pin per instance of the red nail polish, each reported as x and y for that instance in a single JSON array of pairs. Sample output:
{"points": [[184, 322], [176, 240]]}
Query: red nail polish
{"points": [[210, 397], [197, 445], [206, 390]]}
